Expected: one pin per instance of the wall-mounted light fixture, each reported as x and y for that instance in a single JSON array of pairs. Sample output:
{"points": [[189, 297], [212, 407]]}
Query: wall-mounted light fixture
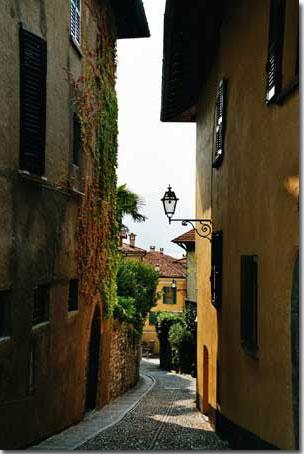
{"points": [[173, 283], [170, 201]]}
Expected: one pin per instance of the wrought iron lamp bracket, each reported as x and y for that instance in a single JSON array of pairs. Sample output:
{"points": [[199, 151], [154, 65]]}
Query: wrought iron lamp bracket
{"points": [[205, 229]]}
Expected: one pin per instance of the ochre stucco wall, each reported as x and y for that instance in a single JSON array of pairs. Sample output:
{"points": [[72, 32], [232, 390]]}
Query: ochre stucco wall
{"points": [[253, 198], [149, 333], [37, 242]]}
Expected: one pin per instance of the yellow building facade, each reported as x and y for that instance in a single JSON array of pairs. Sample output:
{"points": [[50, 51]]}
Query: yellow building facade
{"points": [[247, 183], [172, 291]]}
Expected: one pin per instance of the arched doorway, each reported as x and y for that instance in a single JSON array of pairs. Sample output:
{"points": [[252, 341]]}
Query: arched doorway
{"points": [[206, 381], [93, 361], [295, 349]]}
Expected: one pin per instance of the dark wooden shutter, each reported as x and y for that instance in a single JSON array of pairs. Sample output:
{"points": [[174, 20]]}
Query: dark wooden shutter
{"points": [[32, 102], [249, 272], [275, 50], [216, 268], [220, 124]]}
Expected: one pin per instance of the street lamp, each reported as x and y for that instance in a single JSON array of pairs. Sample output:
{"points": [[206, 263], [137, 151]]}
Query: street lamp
{"points": [[173, 283], [170, 201]]}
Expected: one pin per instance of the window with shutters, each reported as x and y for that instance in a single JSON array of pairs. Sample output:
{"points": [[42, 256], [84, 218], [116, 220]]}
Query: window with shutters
{"points": [[76, 21], [216, 268], [41, 308], [169, 295], [33, 62], [152, 318], [73, 295], [282, 68], [249, 300], [219, 124], [5, 313]]}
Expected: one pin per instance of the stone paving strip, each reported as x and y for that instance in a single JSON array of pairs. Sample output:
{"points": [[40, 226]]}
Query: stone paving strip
{"points": [[99, 420], [165, 419]]}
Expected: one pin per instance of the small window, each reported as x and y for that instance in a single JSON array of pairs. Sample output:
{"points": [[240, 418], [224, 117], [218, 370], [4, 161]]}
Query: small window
{"points": [[219, 124], [33, 61], [73, 295], [5, 313], [169, 295], [76, 140], [76, 21], [41, 309], [152, 318], [249, 291], [216, 268]]}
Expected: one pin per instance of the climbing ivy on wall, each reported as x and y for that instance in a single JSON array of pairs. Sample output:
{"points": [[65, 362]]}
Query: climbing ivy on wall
{"points": [[95, 103]]}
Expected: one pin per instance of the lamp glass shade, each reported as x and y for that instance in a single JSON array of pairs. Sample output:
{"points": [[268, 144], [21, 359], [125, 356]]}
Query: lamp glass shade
{"points": [[173, 283], [169, 201]]}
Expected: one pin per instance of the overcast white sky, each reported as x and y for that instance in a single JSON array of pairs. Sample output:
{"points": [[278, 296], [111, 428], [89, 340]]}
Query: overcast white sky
{"points": [[152, 154]]}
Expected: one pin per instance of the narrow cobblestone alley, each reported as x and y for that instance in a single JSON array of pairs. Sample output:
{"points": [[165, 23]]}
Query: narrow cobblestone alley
{"points": [[158, 414], [165, 419]]}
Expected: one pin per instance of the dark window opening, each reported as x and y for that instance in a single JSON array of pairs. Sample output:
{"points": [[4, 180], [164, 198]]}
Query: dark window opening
{"points": [[249, 300], [76, 140], [41, 309], [216, 268], [73, 295], [5, 313], [169, 295], [33, 62], [152, 318]]}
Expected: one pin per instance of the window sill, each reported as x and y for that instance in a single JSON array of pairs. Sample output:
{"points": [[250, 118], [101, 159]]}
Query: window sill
{"points": [[286, 92], [251, 351], [36, 179], [41, 326], [73, 314], [76, 46], [5, 339]]}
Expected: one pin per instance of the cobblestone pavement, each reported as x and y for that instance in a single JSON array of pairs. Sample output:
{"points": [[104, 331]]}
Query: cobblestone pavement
{"points": [[165, 419]]}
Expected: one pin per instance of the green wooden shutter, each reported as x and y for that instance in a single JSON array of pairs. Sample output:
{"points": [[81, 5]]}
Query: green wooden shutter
{"points": [[220, 124], [33, 54], [275, 50], [174, 296], [164, 295], [249, 313]]}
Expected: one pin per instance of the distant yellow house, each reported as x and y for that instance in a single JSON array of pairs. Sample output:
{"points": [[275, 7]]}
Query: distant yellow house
{"points": [[172, 288]]}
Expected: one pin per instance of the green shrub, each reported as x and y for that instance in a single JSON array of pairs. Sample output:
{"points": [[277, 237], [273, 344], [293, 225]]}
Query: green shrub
{"points": [[164, 321], [181, 342], [136, 287]]}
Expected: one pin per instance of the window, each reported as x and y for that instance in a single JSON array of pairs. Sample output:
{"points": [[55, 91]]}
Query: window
{"points": [[5, 313], [216, 268], [169, 295], [73, 295], [220, 124], [41, 309], [283, 52], [152, 318], [76, 21], [249, 290], [32, 102], [76, 140]]}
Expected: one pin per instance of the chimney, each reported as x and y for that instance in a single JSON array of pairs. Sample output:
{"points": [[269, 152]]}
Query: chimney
{"points": [[132, 239], [152, 248], [157, 267], [161, 250]]}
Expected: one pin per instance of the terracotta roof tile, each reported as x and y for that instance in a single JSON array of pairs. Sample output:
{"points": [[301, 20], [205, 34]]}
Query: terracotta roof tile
{"points": [[127, 248], [187, 237], [168, 266]]}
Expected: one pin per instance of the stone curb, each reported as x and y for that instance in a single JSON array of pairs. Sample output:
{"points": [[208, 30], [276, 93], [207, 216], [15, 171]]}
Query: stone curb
{"points": [[98, 421]]}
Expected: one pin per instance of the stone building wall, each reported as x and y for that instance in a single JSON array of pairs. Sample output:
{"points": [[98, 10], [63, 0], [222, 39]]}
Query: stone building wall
{"points": [[124, 359]]}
